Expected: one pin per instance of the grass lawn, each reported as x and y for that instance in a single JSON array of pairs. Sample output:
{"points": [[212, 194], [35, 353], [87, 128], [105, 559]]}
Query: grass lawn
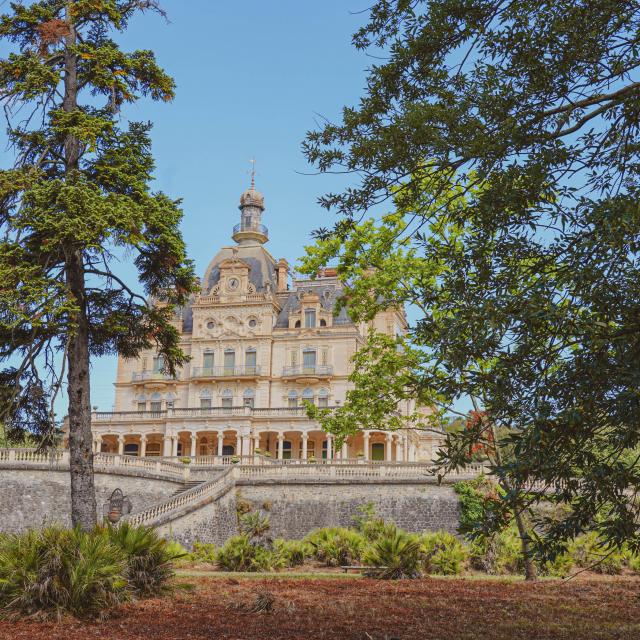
{"points": [[310, 606]]}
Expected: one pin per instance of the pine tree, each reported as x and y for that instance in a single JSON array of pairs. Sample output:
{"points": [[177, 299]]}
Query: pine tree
{"points": [[77, 199]]}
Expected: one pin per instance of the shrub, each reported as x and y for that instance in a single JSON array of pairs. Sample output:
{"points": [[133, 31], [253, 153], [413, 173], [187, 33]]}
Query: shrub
{"points": [[291, 553], [149, 558], [368, 523], [336, 546], [203, 552], [442, 553], [54, 571], [589, 553], [238, 554], [397, 554], [559, 567]]}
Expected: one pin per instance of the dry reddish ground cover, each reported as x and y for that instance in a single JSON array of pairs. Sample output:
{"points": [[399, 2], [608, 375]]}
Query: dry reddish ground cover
{"points": [[349, 609]]}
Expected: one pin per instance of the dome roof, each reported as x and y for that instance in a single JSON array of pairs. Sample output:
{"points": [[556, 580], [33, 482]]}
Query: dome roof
{"points": [[252, 198]]}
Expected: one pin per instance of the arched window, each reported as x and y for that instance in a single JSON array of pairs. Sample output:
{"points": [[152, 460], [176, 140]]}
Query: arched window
{"points": [[204, 447], [297, 324], [248, 397], [293, 398], [323, 398], [153, 449], [205, 399], [323, 322], [250, 358], [227, 398], [156, 403], [228, 450], [307, 395]]}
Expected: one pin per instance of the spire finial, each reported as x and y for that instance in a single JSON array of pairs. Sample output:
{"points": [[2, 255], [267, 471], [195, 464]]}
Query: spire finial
{"points": [[253, 173]]}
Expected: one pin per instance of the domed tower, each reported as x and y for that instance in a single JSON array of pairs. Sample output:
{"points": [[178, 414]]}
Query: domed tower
{"points": [[251, 229]]}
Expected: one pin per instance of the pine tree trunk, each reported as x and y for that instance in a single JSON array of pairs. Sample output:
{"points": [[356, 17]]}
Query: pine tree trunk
{"points": [[83, 497]]}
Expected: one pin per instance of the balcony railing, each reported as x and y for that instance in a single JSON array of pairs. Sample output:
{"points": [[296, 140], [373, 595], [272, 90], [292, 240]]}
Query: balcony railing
{"points": [[225, 372], [142, 376], [310, 370], [199, 412], [251, 226]]}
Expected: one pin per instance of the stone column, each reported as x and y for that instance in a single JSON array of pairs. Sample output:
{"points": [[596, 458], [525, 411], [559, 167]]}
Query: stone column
{"points": [[344, 453], [400, 448], [256, 442], [98, 444], [388, 454], [280, 446], [166, 446], [194, 442], [305, 441], [143, 445], [120, 445], [365, 437], [246, 445], [220, 442], [329, 447], [238, 444], [174, 446]]}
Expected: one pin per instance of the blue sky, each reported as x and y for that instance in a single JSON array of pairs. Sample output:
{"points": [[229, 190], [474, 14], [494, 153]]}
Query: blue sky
{"points": [[252, 77]]}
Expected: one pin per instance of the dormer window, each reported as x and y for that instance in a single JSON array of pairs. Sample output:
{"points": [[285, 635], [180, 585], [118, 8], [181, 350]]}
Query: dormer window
{"points": [[309, 318]]}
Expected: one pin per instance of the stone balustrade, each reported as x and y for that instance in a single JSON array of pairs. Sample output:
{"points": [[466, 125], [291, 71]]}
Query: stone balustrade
{"points": [[191, 499]]}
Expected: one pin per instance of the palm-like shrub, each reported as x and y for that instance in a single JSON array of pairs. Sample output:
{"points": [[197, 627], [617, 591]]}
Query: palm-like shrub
{"points": [[239, 554], [336, 546], [291, 553], [149, 558], [53, 571], [396, 554], [442, 553], [254, 525]]}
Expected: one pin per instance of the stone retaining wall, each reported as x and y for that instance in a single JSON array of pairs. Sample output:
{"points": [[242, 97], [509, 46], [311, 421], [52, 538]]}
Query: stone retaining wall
{"points": [[30, 497]]}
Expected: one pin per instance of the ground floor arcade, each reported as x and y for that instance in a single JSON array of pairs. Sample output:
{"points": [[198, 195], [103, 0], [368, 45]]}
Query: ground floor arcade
{"points": [[281, 445]]}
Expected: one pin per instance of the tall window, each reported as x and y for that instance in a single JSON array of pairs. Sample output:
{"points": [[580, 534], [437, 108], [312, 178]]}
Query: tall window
{"points": [[309, 318], [250, 357], [158, 364], [229, 361], [309, 361], [286, 450], [377, 451], [323, 398], [205, 399], [293, 398], [207, 362], [248, 398], [142, 405]]}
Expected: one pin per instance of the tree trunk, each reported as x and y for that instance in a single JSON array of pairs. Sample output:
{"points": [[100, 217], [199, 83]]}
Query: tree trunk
{"points": [[83, 497], [530, 572]]}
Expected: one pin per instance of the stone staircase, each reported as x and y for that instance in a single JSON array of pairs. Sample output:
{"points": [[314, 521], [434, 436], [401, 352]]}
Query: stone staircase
{"points": [[186, 486]]}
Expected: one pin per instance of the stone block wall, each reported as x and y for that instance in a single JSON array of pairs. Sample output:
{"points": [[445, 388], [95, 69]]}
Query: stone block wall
{"points": [[213, 523], [296, 509], [29, 498]]}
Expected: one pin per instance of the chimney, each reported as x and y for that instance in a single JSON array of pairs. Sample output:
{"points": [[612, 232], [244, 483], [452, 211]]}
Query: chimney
{"points": [[282, 269]]}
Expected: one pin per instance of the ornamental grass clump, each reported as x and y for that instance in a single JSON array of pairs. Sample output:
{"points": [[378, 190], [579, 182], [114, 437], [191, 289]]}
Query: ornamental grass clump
{"points": [[395, 555], [58, 571], [336, 546]]}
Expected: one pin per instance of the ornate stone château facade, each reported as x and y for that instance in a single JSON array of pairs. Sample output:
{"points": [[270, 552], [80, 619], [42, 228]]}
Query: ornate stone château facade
{"points": [[259, 345]]}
